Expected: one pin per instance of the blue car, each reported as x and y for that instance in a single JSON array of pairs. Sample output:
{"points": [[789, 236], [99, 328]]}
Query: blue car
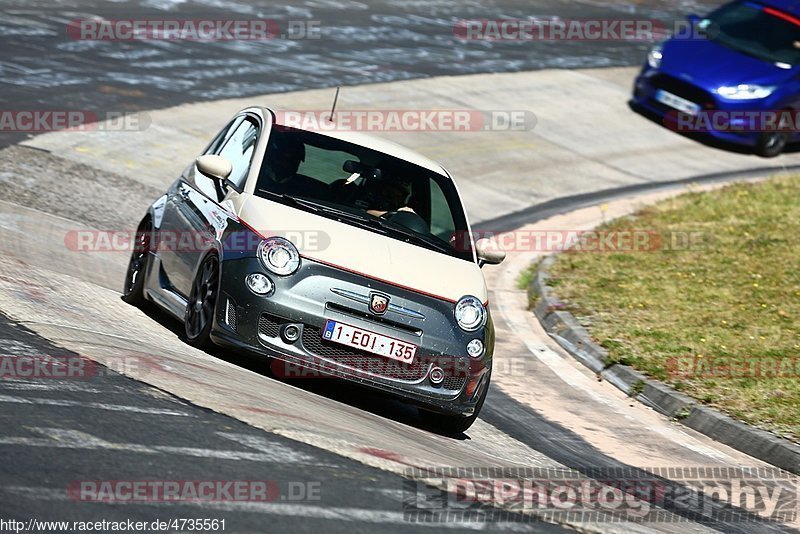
{"points": [[735, 76]]}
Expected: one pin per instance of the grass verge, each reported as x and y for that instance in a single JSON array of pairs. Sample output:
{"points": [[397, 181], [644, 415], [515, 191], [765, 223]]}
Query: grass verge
{"points": [[713, 309]]}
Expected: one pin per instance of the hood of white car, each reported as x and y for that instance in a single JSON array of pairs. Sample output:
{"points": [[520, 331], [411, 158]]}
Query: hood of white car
{"points": [[364, 252]]}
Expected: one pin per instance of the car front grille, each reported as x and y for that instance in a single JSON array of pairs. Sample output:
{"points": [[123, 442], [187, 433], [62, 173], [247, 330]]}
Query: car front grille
{"points": [[361, 360], [454, 383], [269, 325]]}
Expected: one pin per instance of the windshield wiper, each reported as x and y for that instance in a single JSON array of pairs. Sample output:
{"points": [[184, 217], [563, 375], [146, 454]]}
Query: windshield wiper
{"points": [[370, 222], [322, 209], [331, 210], [411, 235], [288, 199]]}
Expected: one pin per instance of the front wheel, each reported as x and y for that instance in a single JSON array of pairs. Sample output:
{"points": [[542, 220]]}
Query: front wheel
{"points": [[202, 301], [770, 144], [455, 424], [133, 290]]}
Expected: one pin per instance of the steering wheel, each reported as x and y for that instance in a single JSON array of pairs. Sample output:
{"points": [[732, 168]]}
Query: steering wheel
{"points": [[409, 219]]}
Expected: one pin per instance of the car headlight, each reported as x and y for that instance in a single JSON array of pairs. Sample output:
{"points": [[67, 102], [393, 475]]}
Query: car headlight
{"points": [[470, 313], [745, 91], [654, 56], [279, 255]]}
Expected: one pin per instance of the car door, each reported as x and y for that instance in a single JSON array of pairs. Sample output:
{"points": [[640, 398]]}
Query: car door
{"points": [[193, 218]]}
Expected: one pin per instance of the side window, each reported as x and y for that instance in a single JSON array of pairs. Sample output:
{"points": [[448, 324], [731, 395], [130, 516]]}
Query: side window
{"points": [[442, 224], [238, 149], [204, 183], [223, 136]]}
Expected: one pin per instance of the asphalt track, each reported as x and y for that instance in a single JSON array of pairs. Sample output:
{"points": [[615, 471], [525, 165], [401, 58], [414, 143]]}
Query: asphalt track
{"points": [[41, 67], [181, 414]]}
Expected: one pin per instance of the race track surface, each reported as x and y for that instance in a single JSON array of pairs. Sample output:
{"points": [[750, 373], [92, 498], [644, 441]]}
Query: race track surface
{"points": [[157, 409], [43, 67]]}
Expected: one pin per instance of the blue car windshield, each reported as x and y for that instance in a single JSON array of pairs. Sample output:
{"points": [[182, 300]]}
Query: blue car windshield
{"points": [[755, 30]]}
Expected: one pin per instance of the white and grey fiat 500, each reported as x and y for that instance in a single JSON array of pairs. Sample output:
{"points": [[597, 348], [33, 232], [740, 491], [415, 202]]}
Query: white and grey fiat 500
{"points": [[330, 252]]}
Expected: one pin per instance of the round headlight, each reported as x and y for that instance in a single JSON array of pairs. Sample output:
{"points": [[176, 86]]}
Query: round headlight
{"points": [[470, 313], [279, 255]]}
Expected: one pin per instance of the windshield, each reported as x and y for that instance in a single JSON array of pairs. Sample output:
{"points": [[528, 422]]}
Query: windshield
{"points": [[365, 188], [757, 30]]}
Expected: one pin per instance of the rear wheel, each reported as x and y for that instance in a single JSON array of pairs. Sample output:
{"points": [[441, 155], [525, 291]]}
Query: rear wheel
{"points": [[133, 290], [202, 301], [455, 424]]}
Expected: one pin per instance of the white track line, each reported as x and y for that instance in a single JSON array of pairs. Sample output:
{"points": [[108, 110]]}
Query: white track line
{"points": [[96, 405], [271, 452]]}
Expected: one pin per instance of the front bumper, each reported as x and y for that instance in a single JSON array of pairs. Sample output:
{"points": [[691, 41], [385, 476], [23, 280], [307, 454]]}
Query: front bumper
{"points": [[244, 320], [650, 81]]}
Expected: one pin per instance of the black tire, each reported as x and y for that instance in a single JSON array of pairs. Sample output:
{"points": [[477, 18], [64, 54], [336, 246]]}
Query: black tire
{"points": [[455, 424], [199, 316], [133, 289], [770, 144]]}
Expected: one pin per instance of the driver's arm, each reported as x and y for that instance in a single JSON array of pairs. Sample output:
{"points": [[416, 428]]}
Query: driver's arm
{"points": [[380, 213]]}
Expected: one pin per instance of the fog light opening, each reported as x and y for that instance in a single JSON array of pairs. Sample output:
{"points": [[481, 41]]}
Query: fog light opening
{"points": [[436, 376], [259, 284], [475, 348], [291, 333]]}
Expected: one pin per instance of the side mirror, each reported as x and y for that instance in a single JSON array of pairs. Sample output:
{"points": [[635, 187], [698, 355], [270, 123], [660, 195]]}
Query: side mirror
{"points": [[488, 253], [218, 169], [215, 167]]}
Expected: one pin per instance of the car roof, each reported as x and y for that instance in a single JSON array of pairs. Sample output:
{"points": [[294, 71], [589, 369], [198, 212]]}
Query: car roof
{"points": [[791, 7], [377, 144]]}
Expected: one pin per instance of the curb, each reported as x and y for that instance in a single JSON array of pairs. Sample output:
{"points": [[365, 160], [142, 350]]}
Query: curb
{"points": [[565, 330]]}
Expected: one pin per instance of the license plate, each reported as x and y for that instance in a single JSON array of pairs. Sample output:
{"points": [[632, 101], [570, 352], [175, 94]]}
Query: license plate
{"points": [[676, 102], [358, 338]]}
